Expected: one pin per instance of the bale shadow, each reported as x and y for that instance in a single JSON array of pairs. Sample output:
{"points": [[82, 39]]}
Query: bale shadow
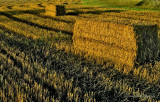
{"points": [[140, 3], [40, 5], [18, 12], [106, 11], [84, 8], [9, 7], [37, 11], [77, 12], [66, 3]]}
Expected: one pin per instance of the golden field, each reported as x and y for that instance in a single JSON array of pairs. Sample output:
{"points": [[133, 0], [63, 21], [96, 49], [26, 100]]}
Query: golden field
{"points": [[39, 60]]}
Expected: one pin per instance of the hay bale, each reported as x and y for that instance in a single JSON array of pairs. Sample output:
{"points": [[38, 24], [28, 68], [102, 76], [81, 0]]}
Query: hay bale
{"points": [[55, 10], [51, 13], [122, 44]]}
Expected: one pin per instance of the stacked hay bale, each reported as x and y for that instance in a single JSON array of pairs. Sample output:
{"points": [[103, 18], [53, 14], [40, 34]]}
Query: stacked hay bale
{"points": [[55, 10], [120, 43]]}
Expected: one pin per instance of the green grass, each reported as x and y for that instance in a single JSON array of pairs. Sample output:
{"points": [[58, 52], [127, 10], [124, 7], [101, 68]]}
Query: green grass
{"points": [[112, 2], [125, 4]]}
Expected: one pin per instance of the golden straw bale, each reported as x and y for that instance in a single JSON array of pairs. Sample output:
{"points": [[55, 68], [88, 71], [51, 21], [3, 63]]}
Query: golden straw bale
{"points": [[120, 43], [50, 13], [106, 51], [55, 10]]}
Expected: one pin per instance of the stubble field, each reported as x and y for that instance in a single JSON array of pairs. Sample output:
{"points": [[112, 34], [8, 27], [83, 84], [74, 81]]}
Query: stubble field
{"points": [[39, 63]]}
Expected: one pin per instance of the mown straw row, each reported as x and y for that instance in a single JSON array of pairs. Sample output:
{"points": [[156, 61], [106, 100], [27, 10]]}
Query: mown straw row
{"points": [[122, 44], [24, 29], [46, 22], [125, 18]]}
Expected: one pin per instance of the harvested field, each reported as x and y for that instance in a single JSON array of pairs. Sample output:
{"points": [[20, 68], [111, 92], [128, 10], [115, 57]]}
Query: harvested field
{"points": [[38, 61]]}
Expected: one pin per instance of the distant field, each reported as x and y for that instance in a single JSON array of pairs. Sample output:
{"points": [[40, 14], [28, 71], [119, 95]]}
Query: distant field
{"points": [[128, 4], [114, 2], [39, 63]]}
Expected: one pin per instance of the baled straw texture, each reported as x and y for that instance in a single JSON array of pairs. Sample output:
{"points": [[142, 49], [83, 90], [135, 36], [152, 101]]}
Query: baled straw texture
{"points": [[122, 44], [55, 10]]}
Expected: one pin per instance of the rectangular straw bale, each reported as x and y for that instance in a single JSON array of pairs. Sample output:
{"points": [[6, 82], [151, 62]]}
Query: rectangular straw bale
{"points": [[103, 31], [98, 49], [51, 13], [50, 7], [120, 43], [55, 10]]}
